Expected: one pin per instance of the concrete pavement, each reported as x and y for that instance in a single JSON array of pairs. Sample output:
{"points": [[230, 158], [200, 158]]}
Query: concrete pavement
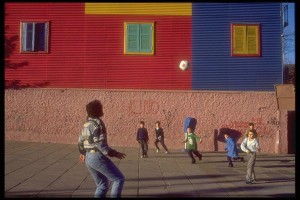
{"points": [[53, 170]]}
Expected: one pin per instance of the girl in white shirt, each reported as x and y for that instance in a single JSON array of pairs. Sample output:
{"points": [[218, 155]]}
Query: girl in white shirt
{"points": [[250, 145]]}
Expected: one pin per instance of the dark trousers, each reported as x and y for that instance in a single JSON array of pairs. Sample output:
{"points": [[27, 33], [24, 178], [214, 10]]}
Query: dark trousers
{"points": [[230, 159], [161, 142], [193, 151], [144, 147]]}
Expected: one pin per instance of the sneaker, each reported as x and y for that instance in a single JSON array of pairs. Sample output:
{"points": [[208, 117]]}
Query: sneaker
{"points": [[166, 152], [248, 182], [142, 156], [145, 156], [253, 180], [242, 159], [193, 162], [230, 165], [157, 150]]}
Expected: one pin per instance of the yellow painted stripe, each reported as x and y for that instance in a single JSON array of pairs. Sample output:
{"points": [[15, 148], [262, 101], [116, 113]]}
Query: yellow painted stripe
{"points": [[178, 9]]}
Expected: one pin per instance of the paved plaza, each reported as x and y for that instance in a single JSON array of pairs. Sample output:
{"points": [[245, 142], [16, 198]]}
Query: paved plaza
{"points": [[53, 170]]}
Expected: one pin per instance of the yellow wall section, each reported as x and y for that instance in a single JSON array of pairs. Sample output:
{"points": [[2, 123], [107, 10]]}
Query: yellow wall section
{"points": [[178, 9]]}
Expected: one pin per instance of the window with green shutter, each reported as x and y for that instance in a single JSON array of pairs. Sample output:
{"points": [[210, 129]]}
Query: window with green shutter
{"points": [[139, 38]]}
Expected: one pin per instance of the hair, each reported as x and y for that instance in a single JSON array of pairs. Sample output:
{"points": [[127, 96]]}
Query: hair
{"points": [[226, 133], [158, 122], [142, 122], [250, 131], [251, 124], [94, 109]]}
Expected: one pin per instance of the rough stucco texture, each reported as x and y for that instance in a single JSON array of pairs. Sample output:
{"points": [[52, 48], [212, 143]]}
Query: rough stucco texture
{"points": [[57, 116]]}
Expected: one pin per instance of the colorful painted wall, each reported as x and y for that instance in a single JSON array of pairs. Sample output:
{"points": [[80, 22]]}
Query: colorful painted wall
{"points": [[87, 49], [57, 115], [86, 46], [86, 61]]}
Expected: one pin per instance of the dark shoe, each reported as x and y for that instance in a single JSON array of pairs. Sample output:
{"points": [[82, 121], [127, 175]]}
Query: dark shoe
{"points": [[200, 157], [230, 165], [248, 182], [145, 156], [193, 162], [242, 159]]}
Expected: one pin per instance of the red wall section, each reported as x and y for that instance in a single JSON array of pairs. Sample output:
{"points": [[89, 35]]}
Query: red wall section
{"points": [[87, 51]]}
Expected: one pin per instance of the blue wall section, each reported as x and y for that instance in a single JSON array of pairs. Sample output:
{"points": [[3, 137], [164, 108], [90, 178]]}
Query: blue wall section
{"points": [[213, 66]]}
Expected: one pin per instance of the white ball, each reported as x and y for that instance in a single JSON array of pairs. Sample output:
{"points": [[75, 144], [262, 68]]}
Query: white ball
{"points": [[184, 65]]}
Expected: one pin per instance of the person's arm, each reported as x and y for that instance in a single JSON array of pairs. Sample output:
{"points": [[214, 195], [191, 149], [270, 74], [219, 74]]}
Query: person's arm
{"points": [[161, 133], [81, 149], [226, 146], [80, 145], [185, 138], [257, 145], [244, 146], [137, 135], [101, 142], [147, 136]]}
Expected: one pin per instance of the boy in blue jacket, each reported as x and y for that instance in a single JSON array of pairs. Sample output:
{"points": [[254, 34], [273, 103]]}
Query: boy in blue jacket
{"points": [[232, 151]]}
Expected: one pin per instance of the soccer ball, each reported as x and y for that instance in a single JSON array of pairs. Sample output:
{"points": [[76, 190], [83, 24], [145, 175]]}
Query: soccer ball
{"points": [[184, 65]]}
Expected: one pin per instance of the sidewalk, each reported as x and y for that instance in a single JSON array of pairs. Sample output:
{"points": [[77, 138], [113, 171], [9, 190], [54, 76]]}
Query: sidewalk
{"points": [[53, 170]]}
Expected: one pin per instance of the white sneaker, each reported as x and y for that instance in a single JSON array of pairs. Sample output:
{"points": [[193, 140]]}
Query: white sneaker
{"points": [[157, 150], [166, 152]]}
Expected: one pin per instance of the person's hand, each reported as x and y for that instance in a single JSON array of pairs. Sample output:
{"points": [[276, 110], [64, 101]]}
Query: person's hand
{"points": [[120, 155], [81, 158]]}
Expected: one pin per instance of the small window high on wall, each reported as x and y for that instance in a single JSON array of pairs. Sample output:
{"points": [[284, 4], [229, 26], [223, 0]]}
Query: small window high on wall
{"points": [[34, 37], [245, 40], [139, 38]]}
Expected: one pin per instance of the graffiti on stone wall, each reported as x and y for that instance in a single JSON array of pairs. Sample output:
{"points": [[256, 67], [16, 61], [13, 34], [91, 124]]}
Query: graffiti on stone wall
{"points": [[273, 121], [264, 130], [150, 107], [19, 123], [169, 116], [143, 107]]}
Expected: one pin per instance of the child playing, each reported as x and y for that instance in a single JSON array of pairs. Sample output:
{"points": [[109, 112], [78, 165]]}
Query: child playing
{"points": [[191, 146], [250, 145], [142, 138], [159, 138], [232, 152]]}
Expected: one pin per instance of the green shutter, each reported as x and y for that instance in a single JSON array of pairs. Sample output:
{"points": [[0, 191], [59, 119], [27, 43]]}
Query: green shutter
{"points": [[132, 43], [146, 38]]}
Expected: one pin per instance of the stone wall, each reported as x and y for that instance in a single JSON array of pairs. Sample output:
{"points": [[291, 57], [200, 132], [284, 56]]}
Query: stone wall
{"points": [[57, 115]]}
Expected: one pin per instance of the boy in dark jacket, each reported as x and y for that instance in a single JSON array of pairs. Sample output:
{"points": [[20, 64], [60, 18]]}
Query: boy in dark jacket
{"points": [[142, 138], [160, 138]]}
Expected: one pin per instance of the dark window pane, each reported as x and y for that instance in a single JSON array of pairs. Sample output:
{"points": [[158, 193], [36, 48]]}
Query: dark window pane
{"points": [[40, 35]]}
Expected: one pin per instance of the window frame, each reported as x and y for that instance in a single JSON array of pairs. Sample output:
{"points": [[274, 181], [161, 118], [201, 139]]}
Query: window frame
{"points": [[46, 35], [245, 36], [126, 52]]}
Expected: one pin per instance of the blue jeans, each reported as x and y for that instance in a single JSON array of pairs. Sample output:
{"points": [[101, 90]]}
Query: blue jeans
{"points": [[103, 170]]}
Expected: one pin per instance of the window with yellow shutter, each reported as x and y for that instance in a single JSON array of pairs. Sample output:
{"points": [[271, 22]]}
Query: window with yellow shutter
{"points": [[245, 40]]}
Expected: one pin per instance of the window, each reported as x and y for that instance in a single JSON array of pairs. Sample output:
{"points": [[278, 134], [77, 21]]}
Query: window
{"points": [[245, 40], [34, 37], [139, 38]]}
